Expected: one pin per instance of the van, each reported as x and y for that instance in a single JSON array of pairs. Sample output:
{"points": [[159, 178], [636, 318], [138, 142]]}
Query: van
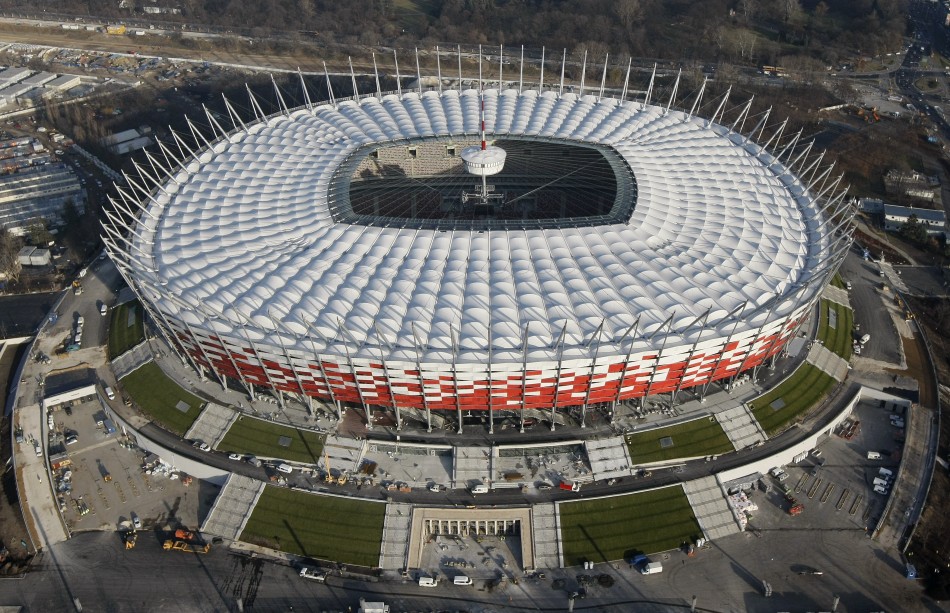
{"points": [[428, 582], [887, 472], [462, 580], [880, 489], [873, 455], [864, 339], [109, 393], [284, 468], [879, 481], [481, 488]]}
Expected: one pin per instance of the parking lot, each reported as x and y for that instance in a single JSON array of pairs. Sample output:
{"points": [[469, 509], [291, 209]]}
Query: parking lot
{"points": [[835, 487], [106, 482]]}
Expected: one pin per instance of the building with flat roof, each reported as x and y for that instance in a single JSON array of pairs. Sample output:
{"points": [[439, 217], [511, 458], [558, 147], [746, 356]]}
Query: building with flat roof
{"points": [[896, 216], [63, 83], [13, 75], [38, 192], [40, 78]]}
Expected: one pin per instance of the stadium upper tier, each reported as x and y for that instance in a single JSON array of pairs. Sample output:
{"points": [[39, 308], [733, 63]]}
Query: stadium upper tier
{"points": [[719, 254]]}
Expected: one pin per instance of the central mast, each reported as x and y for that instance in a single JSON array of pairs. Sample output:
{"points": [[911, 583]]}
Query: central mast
{"points": [[483, 161]]}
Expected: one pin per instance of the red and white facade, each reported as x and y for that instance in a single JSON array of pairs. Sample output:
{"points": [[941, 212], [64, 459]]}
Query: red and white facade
{"points": [[239, 259]]}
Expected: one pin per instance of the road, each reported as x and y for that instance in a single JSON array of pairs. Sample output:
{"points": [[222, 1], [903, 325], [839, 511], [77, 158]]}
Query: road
{"points": [[94, 569]]}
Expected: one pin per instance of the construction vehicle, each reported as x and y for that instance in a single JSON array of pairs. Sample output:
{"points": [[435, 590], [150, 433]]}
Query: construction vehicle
{"points": [[186, 547], [130, 538], [329, 478], [116, 29], [182, 534]]}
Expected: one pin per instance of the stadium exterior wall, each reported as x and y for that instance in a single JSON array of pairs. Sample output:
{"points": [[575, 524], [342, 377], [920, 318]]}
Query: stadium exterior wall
{"points": [[440, 386]]}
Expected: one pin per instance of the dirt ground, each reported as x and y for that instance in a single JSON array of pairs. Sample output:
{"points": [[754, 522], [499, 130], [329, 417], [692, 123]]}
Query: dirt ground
{"points": [[13, 533]]}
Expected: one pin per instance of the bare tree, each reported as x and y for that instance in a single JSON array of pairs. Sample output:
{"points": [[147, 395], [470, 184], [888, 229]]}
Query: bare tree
{"points": [[747, 8], [10, 246], [628, 11]]}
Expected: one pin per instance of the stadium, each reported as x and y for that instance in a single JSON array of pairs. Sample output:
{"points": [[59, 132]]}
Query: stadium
{"points": [[370, 252]]}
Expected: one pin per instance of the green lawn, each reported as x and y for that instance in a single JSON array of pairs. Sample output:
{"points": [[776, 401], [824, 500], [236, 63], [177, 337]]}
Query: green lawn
{"points": [[838, 339], [262, 438], [158, 396], [324, 527], [122, 336], [800, 392], [699, 437], [619, 527]]}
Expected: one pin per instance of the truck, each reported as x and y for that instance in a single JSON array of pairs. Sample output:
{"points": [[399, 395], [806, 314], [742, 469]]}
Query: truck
{"points": [[116, 29], [186, 546], [651, 568], [571, 486], [315, 574], [109, 426]]}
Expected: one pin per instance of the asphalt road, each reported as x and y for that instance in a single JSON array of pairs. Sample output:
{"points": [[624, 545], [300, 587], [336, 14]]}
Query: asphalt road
{"points": [[866, 297], [728, 576]]}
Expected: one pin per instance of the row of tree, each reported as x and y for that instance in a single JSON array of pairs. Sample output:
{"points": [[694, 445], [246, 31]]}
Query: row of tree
{"points": [[751, 31]]}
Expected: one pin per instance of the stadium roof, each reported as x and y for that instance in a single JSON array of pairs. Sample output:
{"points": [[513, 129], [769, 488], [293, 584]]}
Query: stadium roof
{"points": [[720, 231]]}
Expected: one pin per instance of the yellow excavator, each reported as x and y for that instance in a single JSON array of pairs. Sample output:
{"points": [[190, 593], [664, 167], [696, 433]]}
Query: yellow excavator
{"points": [[329, 478]]}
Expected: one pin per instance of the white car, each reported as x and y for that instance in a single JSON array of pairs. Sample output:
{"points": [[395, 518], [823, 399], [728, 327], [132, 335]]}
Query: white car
{"points": [[204, 446], [234, 456], [103, 310], [136, 522]]}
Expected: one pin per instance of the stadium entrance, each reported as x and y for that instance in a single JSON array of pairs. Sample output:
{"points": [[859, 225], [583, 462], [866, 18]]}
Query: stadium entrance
{"points": [[480, 543]]}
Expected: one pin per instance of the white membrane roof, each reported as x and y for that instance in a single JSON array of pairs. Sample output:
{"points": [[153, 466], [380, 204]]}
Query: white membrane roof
{"points": [[245, 232]]}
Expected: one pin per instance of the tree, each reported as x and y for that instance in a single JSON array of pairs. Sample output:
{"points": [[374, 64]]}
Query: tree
{"points": [[914, 231], [10, 246], [38, 233]]}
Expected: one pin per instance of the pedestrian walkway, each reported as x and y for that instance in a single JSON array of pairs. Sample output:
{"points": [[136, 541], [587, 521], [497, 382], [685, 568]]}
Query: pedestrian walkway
{"points": [[233, 507], [212, 424], [547, 535], [710, 507], [828, 361], [396, 526], [741, 426]]}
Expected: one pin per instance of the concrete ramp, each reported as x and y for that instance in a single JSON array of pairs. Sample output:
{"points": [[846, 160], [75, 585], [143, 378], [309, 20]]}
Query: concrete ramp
{"points": [[396, 526], [233, 507], [608, 458], [836, 295], [212, 424], [828, 361], [471, 464], [135, 357], [710, 506], [741, 426], [547, 536]]}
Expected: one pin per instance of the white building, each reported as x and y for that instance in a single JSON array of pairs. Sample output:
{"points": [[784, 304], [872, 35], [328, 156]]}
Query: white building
{"points": [[896, 216]]}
